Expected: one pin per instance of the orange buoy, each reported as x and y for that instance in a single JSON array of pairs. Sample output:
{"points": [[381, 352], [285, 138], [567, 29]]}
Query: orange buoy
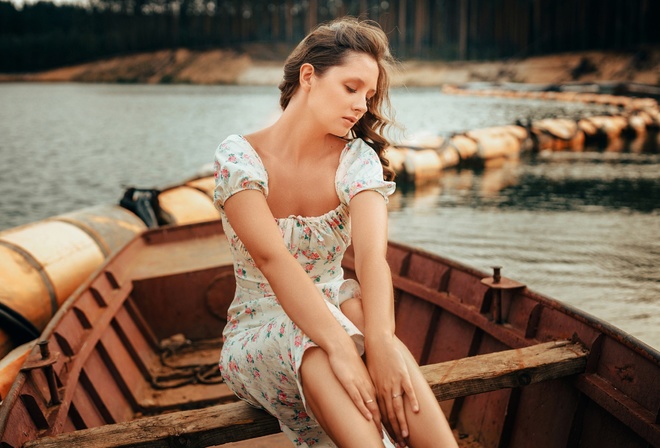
{"points": [[449, 156], [423, 164], [465, 146], [517, 131], [42, 263], [640, 122], [611, 126], [185, 205], [588, 127], [11, 364], [110, 226], [60, 253], [396, 156], [204, 184], [557, 134], [495, 142]]}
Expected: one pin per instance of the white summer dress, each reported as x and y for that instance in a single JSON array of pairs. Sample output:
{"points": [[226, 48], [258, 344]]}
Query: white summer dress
{"points": [[263, 347]]}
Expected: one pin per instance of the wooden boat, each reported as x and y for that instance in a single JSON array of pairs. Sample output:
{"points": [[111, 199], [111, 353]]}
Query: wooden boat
{"points": [[129, 359]]}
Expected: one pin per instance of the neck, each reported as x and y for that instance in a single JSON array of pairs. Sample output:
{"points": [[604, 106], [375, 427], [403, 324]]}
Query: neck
{"points": [[297, 135]]}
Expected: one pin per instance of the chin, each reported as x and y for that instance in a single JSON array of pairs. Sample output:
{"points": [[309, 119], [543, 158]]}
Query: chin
{"points": [[341, 133]]}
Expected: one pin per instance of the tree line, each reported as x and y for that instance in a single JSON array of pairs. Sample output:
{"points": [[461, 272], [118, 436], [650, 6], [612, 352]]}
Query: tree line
{"points": [[44, 35]]}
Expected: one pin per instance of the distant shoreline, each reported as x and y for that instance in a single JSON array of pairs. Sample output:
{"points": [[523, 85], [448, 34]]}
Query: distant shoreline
{"points": [[218, 66]]}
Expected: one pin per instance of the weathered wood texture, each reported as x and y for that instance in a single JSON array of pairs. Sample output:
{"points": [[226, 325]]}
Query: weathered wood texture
{"points": [[512, 368], [238, 421], [200, 427]]}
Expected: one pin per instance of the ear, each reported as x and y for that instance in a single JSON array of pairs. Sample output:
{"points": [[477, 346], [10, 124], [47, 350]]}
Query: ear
{"points": [[306, 75]]}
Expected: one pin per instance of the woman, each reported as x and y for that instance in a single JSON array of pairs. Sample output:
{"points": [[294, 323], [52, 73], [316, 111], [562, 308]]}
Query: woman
{"points": [[292, 197]]}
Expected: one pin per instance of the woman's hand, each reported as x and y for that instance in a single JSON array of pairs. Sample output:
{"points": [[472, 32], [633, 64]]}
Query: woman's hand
{"points": [[351, 372], [391, 379]]}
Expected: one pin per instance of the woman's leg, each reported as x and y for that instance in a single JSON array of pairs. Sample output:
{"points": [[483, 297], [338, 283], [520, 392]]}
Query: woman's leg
{"points": [[331, 405], [428, 427]]}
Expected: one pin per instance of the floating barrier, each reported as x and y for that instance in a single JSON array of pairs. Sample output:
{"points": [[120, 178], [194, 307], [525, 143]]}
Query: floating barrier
{"points": [[185, 205], [423, 164], [608, 129], [557, 134], [11, 364], [42, 263], [424, 159], [569, 93], [495, 143]]}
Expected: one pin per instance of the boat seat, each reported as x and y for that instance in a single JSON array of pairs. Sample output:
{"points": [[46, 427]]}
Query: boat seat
{"points": [[237, 421]]}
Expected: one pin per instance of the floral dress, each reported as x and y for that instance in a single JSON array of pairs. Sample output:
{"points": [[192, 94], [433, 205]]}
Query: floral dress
{"points": [[263, 347]]}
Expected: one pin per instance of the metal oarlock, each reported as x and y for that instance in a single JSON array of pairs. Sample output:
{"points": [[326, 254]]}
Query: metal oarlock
{"points": [[498, 284], [45, 362]]}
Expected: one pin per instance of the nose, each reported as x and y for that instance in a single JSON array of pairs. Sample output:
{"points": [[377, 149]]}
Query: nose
{"points": [[360, 105]]}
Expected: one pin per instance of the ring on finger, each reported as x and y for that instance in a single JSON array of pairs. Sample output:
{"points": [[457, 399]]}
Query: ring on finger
{"points": [[397, 395], [369, 401]]}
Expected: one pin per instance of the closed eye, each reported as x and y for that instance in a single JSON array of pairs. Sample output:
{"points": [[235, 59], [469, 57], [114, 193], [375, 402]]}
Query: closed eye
{"points": [[351, 90]]}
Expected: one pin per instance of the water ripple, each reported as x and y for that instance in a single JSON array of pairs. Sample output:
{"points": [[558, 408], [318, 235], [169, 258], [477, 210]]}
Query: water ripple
{"points": [[581, 227]]}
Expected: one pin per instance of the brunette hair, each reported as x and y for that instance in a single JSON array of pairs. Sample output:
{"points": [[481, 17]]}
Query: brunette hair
{"points": [[327, 46]]}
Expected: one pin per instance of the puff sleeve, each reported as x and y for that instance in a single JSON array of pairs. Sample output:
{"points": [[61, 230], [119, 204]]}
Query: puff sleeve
{"points": [[237, 167], [359, 170]]}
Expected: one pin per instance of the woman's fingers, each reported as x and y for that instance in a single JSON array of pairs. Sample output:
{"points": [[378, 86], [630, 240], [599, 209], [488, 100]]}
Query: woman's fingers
{"points": [[410, 393], [398, 406], [356, 396], [400, 415], [372, 405], [384, 417], [393, 418], [355, 379]]}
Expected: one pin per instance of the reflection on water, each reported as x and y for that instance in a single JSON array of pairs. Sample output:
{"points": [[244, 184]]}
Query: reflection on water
{"points": [[580, 227], [584, 231], [555, 182]]}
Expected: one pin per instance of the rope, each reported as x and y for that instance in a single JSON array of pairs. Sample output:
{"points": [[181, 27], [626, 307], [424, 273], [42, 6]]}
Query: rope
{"points": [[184, 374]]}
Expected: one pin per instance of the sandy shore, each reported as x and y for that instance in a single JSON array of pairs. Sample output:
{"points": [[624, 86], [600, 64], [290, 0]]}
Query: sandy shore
{"points": [[230, 67]]}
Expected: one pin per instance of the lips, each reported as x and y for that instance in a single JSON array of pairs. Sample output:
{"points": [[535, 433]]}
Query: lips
{"points": [[352, 120]]}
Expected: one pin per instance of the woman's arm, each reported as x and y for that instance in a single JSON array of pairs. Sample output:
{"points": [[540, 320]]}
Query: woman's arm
{"points": [[386, 363], [254, 224]]}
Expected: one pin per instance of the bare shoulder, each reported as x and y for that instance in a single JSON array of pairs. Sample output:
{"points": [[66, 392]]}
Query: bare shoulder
{"points": [[257, 139]]}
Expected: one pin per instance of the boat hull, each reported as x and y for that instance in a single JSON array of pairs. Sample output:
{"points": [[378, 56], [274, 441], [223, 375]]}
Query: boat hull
{"points": [[142, 336]]}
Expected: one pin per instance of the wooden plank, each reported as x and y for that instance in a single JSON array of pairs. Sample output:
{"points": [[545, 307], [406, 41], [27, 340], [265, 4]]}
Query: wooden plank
{"points": [[499, 370], [238, 421], [201, 427]]}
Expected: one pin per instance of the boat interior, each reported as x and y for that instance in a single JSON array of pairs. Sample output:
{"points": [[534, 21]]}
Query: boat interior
{"points": [[131, 357]]}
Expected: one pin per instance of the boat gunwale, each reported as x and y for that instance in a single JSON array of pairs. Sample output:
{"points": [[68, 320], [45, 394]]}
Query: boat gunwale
{"points": [[595, 322]]}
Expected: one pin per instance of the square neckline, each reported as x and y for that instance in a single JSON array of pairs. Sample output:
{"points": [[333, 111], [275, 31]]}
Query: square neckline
{"points": [[325, 215]]}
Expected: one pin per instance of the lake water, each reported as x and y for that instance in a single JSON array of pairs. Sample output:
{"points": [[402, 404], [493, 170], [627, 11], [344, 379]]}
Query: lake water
{"points": [[582, 228]]}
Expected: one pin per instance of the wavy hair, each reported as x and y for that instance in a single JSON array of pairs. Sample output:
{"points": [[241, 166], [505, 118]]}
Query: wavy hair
{"points": [[327, 46]]}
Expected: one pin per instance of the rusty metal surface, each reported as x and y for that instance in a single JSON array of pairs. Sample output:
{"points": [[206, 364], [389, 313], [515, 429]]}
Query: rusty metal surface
{"points": [[185, 299], [110, 226], [42, 263], [204, 184], [176, 281], [25, 288], [66, 254], [185, 205]]}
